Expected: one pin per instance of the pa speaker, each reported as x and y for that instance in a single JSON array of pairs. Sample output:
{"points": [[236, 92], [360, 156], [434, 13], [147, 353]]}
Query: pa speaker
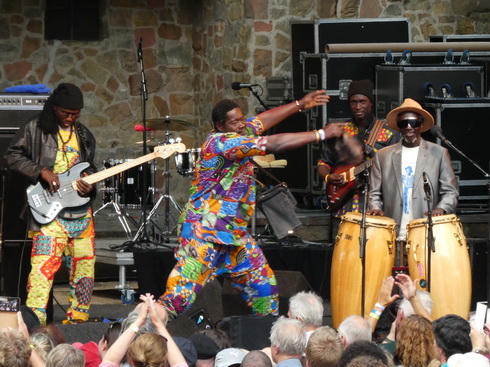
{"points": [[204, 313], [289, 283]]}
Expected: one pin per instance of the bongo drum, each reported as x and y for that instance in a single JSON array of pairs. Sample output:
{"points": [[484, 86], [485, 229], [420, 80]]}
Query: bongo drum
{"points": [[450, 280], [346, 274]]}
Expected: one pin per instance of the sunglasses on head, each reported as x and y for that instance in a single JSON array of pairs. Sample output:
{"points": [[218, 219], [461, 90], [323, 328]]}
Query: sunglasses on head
{"points": [[402, 124]]}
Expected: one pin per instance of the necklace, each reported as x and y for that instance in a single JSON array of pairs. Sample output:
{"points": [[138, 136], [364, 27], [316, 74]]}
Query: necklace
{"points": [[63, 148]]}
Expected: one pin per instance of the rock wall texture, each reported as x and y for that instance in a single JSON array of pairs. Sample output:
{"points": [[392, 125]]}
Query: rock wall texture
{"points": [[192, 51]]}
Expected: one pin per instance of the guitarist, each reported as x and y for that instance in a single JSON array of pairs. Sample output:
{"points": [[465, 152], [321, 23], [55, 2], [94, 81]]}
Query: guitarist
{"points": [[51, 143], [360, 128]]}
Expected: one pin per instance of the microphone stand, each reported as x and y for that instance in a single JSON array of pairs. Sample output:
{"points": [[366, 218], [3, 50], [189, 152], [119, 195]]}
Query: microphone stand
{"points": [[144, 97], [487, 176], [258, 97], [430, 236], [363, 237]]}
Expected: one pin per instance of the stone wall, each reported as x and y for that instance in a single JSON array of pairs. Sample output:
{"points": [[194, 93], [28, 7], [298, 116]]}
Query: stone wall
{"points": [[192, 51]]}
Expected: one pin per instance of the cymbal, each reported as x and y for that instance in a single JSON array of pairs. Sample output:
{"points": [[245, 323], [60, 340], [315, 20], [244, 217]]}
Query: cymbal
{"points": [[168, 123]]}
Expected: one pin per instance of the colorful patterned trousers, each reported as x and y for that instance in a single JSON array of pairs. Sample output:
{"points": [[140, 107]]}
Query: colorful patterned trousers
{"points": [[57, 240], [200, 262]]}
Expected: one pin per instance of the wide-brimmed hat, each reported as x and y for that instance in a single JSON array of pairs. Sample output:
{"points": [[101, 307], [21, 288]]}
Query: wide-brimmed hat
{"points": [[409, 105]]}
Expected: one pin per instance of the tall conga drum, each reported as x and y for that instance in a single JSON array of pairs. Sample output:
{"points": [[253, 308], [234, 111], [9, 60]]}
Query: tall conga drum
{"points": [[450, 280], [346, 274]]}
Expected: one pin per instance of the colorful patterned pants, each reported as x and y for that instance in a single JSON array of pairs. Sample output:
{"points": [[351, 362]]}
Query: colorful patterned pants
{"points": [[200, 262], [48, 248]]}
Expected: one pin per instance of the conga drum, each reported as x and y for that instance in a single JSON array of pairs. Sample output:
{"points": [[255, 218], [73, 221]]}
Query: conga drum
{"points": [[346, 273], [450, 280]]}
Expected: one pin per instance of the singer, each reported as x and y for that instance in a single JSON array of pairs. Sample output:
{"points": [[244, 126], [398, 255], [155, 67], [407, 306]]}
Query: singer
{"points": [[397, 187], [213, 237]]}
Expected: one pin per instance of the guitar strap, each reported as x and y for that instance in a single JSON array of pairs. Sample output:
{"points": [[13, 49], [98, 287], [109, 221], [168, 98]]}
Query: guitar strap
{"points": [[373, 137]]}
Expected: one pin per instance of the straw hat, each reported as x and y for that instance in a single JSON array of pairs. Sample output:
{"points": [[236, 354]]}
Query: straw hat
{"points": [[409, 105]]}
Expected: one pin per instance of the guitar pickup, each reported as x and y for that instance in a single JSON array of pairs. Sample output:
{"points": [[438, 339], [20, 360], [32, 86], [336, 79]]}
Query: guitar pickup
{"points": [[36, 200], [47, 196]]}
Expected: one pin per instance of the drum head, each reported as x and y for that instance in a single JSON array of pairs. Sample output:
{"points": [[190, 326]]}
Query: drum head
{"points": [[373, 220]]}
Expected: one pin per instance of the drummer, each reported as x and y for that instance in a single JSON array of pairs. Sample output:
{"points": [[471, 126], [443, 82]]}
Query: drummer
{"points": [[397, 187]]}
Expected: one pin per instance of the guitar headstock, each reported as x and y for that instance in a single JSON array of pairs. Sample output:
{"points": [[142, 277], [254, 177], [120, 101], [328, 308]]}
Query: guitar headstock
{"points": [[165, 151]]}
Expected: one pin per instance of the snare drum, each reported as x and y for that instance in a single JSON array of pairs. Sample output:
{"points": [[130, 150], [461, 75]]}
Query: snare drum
{"points": [[186, 162], [450, 280], [346, 273]]}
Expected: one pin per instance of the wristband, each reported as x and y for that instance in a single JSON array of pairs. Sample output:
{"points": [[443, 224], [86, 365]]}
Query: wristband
{"points": [[322, 134], [376, 312], [135, 328], [378, 305], [326, 178], [299, 108], [374, 316], [317, 134]]}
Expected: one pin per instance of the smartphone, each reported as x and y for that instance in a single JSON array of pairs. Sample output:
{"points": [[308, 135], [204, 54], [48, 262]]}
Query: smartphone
{"points": [[394, 272], [9, 306]]}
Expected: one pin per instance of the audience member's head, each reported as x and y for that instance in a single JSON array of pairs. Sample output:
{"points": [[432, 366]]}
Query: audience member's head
{"points": [[110, 336], [362, 348], [256, 358], [148, 349], [415, 342], [52, 331], [405, 308], [65, 355], [354, 328], [206, 349], [288, 339], [452, 335], [42, 344], [220, 337], [229, 357], [324, 348], [366, 361], [306, 307], [468, 359], [148, 327], [14, 349]]}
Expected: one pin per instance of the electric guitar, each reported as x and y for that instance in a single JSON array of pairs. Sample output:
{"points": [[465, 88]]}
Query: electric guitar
{"points": [[337, 196], [46, 205]]}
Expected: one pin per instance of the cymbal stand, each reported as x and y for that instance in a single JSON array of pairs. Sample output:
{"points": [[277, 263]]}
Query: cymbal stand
{"points": [[121, 216], [167, 197]]}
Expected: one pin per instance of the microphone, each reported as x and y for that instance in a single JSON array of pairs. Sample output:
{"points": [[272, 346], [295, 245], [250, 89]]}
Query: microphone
{"points": [[436, 131], [238, 85], [140, 49], [426, 184]]}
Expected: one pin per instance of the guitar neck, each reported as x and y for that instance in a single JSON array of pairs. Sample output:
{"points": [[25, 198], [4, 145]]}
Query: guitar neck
{"points": [[109, 172], [362, 167]]}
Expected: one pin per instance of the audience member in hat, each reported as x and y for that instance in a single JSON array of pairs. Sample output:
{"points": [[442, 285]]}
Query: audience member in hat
{"points": [[230, 357], [396, 188], [256, 358], [187, 349], [370, 133], [468, 359], [206, 349], [50, 144]]}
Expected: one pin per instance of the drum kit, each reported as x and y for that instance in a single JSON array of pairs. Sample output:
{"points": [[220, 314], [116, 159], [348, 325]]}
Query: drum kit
{"points": [[128, 189], [448, 267]]}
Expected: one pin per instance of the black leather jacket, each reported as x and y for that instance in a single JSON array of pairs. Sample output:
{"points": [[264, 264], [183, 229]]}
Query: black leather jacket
{"points": [[32, 150]]}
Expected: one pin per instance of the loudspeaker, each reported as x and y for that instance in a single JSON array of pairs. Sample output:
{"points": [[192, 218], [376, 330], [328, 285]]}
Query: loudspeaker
{"points": [[204, 313], [289, 283], [84, 332], [250, 332]]}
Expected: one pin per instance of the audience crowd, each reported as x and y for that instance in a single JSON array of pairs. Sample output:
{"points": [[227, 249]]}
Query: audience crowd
{"points": [[299, 339]]}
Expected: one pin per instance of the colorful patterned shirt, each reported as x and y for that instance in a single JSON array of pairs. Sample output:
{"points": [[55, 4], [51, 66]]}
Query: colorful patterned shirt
{"points": [[329, 158], [222, 195]]}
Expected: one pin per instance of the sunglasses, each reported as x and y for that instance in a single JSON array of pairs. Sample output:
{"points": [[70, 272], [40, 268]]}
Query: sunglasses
{"points": [[402, 124]]}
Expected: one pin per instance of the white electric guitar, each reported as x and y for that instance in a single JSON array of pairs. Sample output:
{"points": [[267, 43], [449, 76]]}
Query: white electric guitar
{"points": [[46, 205]]}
